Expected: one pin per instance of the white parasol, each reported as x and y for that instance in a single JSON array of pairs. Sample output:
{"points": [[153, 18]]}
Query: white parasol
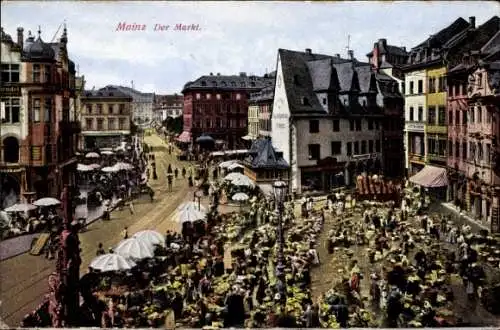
{"points": [[47, 201], [243, 181], [109, 169], [94, 166], [83, 168], [240, 197], [233, 176], [227, 163], [111, 262], [20, 207], [150, 237], [121, 166], [190, 215], [192, 205], [107, 152], [234, 166], [134, 249], [92, 155]]}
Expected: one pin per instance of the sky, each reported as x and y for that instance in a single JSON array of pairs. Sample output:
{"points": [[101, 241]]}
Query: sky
{"points": [[232, 37]]}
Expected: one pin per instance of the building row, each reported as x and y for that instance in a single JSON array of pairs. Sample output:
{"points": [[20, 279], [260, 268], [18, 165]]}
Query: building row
{"points": [[39, 131]]}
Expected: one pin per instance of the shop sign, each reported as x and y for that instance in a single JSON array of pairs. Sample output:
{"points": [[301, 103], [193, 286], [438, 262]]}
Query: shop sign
{"points": [[10, 91], [415, 127]]}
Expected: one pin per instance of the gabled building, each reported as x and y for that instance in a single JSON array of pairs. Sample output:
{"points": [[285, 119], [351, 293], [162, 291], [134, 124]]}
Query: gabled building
{"points": [[106, 117], [39, 131], [217, 105], [327, 116], [142, 105], [425, 99], [259, 113]]}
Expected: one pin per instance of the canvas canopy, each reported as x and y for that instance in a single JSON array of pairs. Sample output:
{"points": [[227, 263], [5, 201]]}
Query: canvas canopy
{"points": [[431, 177]]}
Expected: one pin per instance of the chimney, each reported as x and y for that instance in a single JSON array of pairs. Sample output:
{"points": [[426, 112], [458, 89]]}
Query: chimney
{"points": [[472, 22], [351, 54], [20, 36], [382, 42], [243, 74], [308, 51], [337, 55]]}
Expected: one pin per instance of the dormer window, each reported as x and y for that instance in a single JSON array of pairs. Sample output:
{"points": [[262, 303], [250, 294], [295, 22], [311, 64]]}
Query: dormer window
{"points": [[324, 100], [203, 83], [296, 80], [252, 84], [214, 83], [242, 84], [305, 101], [233, 84], [224, 84]]}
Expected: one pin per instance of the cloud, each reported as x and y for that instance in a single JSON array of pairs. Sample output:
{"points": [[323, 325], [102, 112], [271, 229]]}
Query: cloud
{"points": [[233, 36]]}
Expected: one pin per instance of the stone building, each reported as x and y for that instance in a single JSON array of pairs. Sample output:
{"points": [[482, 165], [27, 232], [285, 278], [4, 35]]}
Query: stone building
{"points": [[167, 106], [106, 116], [327, 116], [38, 130], [142, 106], [217, 105]]}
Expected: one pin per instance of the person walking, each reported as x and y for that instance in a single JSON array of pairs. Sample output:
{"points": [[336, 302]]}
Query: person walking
{"points": [[131, 207], [125, 233]]}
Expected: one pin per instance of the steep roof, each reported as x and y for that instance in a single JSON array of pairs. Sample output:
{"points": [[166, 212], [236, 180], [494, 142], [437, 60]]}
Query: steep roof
{"points": [[230, 82], [493, 45], [263, 155], [440, 38], [108, 91]]}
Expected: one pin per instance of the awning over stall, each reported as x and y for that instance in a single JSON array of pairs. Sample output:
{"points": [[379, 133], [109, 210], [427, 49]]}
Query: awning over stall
{"points": [[431, 177]]}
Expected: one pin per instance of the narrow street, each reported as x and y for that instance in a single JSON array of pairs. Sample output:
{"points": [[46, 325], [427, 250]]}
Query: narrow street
{"points": [[23, 279]]}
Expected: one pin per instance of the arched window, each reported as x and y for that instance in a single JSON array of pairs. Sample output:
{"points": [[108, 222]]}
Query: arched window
{"points": [[11, 150]]}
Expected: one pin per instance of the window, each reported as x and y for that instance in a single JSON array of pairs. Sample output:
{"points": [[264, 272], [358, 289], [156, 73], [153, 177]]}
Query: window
{"points": [[36, 73], [420, 86], [370, 124], [377, 124], [450, 118], [313, 126], [432, 86], [411, 87], [480, 150], [48, 74], [12, 110], [377, 145], [349, 149], [431, 119], [479, 114], [403, 88], [420, 114], [198, 96], [111, 108], [442, 116], [336, 148], [208, 96], [479, 80], [89, 123], [457, 149], [487, 153], [305, 101], [336, 125], [464, 150], [363, 147], [351, 125], [100, 125], [441, 83], [36, 110], [412, 118], [121, 109], [358, 124], [356, 147], [111, 123], [99, 109], [324, 101], [48, 110], [450, 148], [10, 73], [314, 152], [122, 124], [464, 118], [442, 148]]}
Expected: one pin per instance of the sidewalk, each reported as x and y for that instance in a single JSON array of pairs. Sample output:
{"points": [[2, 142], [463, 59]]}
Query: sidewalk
{"points": [[453, 209]]}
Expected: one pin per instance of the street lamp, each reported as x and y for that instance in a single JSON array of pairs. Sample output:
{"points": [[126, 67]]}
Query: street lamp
{"points": [[280, 189]]}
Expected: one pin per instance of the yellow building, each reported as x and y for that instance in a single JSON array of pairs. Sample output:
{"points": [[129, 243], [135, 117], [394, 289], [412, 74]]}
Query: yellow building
{"points": [[436, 128]]}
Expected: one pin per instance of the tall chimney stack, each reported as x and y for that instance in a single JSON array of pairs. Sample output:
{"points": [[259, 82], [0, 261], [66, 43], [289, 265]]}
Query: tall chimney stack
{"points": [[20, 36], [472, 22]]}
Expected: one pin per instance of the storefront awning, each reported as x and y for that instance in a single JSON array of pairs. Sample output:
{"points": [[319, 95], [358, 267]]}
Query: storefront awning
{"points": [[431, 177], [184, 137]]}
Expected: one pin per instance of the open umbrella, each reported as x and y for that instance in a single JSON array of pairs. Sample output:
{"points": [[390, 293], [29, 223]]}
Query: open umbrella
{"points": [[233, 176], [234, 166], [94, 166], [243, 181], [47, 201], [227, 163], [240, 197], [20, 207], [83, 168], [107, 152], [205, 139], [134, 249], [109, 169], [150, 237], [190, 215], [111, 262], [92, 155], [192, 205], [121, 166]]}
